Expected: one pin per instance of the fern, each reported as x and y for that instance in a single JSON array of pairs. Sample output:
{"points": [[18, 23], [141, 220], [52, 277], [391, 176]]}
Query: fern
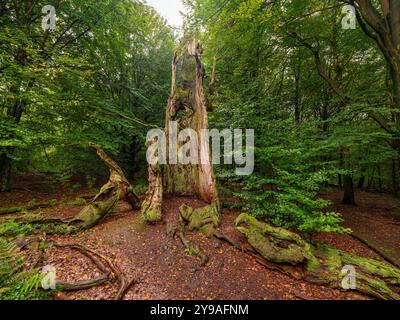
{"points": [[14, 283], [10, 260]]}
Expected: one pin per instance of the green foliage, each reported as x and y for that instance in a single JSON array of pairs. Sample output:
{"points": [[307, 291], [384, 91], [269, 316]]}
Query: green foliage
{"points": [[307, 134], [78, 202], [90, 181], [11, 228], [192, 251], [14, 283], [91, 79], [290, 200], [53, 202]]}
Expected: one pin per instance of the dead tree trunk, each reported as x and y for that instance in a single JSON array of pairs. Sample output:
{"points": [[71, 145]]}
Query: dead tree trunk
{"points": [[117, 188], [186, 109], [321, 264]]}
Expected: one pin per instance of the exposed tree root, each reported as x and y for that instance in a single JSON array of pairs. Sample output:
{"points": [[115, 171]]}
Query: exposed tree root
{"points": [[173, 230], [101, 262], [320, 263], [191, 246], [83, 284], [287, 270], [204, 219]]}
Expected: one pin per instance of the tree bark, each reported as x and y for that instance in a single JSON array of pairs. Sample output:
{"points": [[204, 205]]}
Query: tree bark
{"points": [[348, 192], [320, 263], [5, 168], [188, 108]]}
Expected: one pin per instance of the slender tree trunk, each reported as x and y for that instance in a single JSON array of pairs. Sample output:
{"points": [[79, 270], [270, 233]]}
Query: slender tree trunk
{"points": [[5, 169], [361, 181], [348, 193], [348, 185]]}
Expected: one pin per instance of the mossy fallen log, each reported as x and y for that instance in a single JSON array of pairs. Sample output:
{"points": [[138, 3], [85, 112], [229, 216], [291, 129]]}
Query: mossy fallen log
{"points": [[321, 263], [117, 188]]}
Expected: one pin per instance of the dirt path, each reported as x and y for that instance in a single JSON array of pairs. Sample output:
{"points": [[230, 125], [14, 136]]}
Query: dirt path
{"points": [[375, 219]]}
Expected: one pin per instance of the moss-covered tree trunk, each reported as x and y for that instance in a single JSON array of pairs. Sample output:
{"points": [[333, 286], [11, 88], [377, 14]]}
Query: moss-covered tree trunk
{"points": [[321, 264], [186, 109], [105, 202], [117, 188]]}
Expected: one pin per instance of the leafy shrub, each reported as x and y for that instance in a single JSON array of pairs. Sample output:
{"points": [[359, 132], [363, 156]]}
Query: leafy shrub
{"points": [[289, 200]]}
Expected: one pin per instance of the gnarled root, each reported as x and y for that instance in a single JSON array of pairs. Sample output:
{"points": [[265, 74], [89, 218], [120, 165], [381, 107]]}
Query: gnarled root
{"points": [[108, 269], [204, 219], [321, 264]]}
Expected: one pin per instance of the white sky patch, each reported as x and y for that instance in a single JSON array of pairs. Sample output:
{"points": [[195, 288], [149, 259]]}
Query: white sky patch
{"points": [[170, 10]]}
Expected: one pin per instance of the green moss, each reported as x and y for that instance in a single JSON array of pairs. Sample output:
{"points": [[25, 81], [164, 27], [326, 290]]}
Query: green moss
{"points": [[204, 219], [322, 263], [192, 251], [152, 215], [78, 202], [53, 202]]}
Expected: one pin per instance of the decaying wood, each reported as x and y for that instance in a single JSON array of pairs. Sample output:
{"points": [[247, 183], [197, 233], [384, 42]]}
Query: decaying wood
{"points": [[376, 250], [33, 206], [187, 107], [321, 264], [104, 203]]}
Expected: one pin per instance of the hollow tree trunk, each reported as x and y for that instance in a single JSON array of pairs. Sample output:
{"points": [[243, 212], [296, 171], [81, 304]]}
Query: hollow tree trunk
{"points": [[186, 109]]}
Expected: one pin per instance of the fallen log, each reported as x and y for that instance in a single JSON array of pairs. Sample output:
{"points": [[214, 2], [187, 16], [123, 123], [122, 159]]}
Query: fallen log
{"points": [[320, 263], [105, 202]]}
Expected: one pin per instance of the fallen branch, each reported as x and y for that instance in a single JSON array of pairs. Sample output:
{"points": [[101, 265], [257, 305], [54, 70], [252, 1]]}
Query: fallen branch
{"points": [[104, 203], [33, 206], [320, 263]]}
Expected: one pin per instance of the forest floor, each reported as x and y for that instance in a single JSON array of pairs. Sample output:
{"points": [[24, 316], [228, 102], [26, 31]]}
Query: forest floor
{"points": [[163, 270]]}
